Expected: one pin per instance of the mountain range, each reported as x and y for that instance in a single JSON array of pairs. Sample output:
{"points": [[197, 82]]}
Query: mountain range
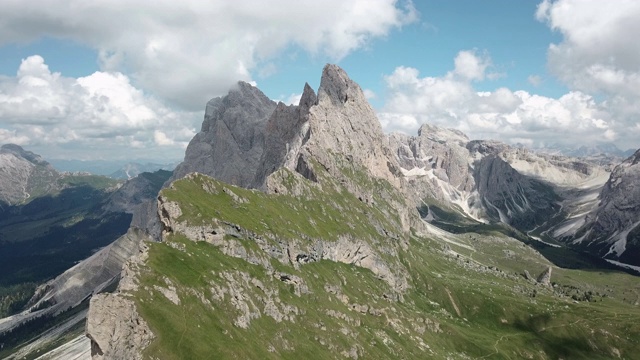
{"points": [[304, 231]]}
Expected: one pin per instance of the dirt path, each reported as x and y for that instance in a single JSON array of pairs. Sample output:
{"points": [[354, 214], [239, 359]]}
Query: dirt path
{"points": [[455, 307]]}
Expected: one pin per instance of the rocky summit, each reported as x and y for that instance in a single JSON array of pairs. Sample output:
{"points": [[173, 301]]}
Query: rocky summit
{"points": [[24, 174], [303, 231]]}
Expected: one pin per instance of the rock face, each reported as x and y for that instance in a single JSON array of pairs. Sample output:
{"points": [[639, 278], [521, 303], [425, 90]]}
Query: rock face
{"points": [[512, 197], [343, 123], [245, 136], [23, 174], [231, 142], [484, 180], [613, 228], [136, 191], [116, 330], [545, 277], [435, 148]]}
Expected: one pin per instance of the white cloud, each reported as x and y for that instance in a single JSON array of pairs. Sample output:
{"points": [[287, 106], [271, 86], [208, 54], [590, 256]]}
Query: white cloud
{"points": [[599, 51], [189, 51], [293, 99], [90, 115], [534, 80], [470, 66], [599, 54], [369, 94], [162, 139], [502, 114]]}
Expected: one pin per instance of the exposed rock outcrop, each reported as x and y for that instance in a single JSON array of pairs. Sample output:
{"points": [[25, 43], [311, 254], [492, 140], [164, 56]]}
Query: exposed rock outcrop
{"points": [[231, 142], [613, 228], [511, 197], [116, 330], [344, 124], [545, 277], [140, 189]]}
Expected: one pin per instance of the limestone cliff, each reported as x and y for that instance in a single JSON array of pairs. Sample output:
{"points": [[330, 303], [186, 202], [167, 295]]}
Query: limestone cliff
{"points": [[613, 228], [230, 143]]}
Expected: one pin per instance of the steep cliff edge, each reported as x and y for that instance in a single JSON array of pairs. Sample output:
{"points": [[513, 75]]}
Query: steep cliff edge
{"points": [[613, 229], [230, 143]]}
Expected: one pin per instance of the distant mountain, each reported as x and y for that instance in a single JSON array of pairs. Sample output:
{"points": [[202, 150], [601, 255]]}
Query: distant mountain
{"points": [[115, 169], [133, 169], [50, 221], [24, 174], [486, 181], [585, 151]]}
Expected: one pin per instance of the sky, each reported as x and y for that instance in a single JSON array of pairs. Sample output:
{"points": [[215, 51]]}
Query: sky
{"points": [[129, 79]]}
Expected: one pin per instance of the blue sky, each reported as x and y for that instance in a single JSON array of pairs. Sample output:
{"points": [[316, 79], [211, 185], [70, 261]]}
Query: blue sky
{"points": [[507, 30], [116, 80]]}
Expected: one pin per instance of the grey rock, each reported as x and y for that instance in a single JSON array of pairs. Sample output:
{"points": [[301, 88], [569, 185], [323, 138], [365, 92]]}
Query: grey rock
{"points": [[512, 197], [613, 228], [116, 329], [140, 189], [24, 174], [287, 130], [230, 143], [545, 277]]}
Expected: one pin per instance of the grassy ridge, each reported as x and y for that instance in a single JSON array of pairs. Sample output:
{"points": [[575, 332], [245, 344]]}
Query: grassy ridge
{"points": [[467, 297]]}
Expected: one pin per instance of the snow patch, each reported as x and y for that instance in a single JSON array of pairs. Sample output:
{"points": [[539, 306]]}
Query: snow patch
{"points": [[620, 245], [623, 265]]}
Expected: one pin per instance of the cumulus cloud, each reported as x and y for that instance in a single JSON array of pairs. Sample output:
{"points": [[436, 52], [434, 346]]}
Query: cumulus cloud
{"points": [[189, 51], [599, 53], [599, 49], [470, 66], [89, 115], [503, 114], [369, 94], [293, 99]]}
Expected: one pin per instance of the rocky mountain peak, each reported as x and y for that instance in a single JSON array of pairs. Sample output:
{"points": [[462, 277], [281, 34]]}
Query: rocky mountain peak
{"points": [[308, 98], [439, 134], [18, 151], [23, 173], [344, 124], [230, 142], [634, 159], [336, 85], [245, 136]]}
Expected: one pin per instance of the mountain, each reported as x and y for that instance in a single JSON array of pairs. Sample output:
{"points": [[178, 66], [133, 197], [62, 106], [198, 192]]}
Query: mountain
{"points": [[116, 169], [613, 228], [586, 151], [321, 237], [24, 174], [133, 169], [48, 230], [487, 181]]}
